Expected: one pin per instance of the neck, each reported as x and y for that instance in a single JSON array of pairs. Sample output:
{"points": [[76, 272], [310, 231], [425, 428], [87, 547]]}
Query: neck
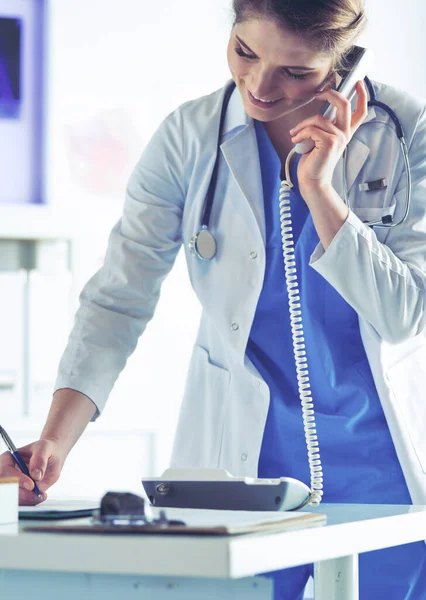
{"points": [[281, 126]]}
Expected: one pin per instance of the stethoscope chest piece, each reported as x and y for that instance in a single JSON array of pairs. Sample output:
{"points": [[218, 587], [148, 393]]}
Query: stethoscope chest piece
{"points": [[203, 245]]}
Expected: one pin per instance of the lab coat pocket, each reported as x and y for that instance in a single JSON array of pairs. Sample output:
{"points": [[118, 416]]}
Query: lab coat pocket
{"points": [[373, 213], [367, 214], [202, 418], [407, 383]]}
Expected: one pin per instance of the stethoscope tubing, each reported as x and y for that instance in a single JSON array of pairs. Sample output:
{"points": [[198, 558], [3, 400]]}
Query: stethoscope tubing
{"points": [[203, 244]]}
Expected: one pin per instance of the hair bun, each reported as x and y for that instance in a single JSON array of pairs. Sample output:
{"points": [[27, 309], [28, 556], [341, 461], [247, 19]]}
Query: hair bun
{"points": [[358, 18]]}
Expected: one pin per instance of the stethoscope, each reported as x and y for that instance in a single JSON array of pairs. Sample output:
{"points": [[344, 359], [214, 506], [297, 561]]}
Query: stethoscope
{"points": [[203, 244]]}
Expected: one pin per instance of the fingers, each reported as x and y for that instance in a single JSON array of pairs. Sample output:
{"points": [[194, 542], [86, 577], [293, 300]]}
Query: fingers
{"points": [[345, 120], [315, 121], [361, 110], [44, 467], [24, 481], [38, 461], [343, 115], [321, 138], [8, 468], [27, 498], [343, 109]]}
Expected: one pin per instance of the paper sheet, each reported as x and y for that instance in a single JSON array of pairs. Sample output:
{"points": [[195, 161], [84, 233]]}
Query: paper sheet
{"points": [[62, 504]]}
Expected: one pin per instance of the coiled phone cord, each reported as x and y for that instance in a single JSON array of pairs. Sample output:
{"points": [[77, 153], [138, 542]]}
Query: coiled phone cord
{"points": [[300, 357]]}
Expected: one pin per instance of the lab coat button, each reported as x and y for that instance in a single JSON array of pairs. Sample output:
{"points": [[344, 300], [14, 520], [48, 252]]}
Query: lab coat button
{"points": [[244, 456], [253, 254], [235, 326], [256, 383]]}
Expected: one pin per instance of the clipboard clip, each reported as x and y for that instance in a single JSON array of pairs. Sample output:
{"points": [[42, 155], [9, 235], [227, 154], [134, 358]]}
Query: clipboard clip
{"points": [[124, 509]]}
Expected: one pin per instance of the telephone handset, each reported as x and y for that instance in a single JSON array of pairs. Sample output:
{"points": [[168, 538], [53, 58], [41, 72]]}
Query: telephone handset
{"points": [[358, 60]]}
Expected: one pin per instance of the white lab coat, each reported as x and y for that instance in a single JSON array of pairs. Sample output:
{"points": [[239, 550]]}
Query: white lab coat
{"points": [[381, 274]]}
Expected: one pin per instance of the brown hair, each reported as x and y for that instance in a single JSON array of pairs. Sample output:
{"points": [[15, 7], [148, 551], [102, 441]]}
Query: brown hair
{"points": [[326, 26]]}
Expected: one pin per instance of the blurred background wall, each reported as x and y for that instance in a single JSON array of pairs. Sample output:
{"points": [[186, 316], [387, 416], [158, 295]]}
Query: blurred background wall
{"points": [[112, 71]]}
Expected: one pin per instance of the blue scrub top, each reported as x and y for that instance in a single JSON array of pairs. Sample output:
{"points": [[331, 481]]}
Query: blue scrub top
{"points": [[356, 449], [357, 453]]}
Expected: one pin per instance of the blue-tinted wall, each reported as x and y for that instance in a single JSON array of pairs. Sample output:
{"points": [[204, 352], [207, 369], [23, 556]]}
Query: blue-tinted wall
{"points": [[21, 101]]}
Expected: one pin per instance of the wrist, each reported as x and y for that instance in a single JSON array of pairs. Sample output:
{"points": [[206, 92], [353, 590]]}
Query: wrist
{"points": [[324, 198], [328, 211], [57, 446], [69, 414], [314, 189]]}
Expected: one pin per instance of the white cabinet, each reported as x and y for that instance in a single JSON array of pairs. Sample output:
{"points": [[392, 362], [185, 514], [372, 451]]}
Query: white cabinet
{"points": [[35, 319]]}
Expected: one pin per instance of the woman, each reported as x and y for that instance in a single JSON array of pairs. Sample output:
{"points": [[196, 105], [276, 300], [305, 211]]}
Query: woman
{"points": [[362, 290]]}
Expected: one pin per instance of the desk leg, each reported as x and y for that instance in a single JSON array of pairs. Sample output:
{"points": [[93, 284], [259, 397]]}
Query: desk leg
{"points": [[337, 579]]}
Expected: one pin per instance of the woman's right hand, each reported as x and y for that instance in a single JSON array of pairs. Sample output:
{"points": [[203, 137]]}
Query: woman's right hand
{"points": [[44, 461]]}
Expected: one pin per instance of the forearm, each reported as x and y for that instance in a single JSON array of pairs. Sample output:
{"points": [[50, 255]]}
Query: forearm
{"points": [[328, 211], [384, 289], [69, 414]]}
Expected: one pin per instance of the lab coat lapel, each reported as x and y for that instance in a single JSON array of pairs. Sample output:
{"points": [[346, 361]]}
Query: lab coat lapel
{"points": [[357, 154], [240, 150], [242, 156]]}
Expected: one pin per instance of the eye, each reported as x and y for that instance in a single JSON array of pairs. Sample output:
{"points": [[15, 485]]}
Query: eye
{"points": [[241, 53], [294, 75]]}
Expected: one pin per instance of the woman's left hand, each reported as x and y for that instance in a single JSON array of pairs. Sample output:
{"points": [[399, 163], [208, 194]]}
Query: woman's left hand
{"points": [[315, 169]]}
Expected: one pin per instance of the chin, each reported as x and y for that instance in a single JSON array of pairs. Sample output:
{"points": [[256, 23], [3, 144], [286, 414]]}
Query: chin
{"points": [[258, 113], [259, 116], [254, 112]]}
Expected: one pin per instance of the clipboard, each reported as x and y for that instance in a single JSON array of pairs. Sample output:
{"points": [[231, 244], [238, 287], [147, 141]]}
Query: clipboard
{"points": [[55, 515], [199, 522], [59, 509]]}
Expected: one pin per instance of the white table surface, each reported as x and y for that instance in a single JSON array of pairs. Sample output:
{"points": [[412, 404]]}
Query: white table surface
{"points": [[350, 529]]}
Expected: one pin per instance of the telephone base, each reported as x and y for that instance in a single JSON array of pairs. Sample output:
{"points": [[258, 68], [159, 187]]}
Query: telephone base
{"points": [[218, 489]]}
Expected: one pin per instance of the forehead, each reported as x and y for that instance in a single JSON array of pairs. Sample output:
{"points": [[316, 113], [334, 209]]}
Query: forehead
{"points": [[277, 45]]}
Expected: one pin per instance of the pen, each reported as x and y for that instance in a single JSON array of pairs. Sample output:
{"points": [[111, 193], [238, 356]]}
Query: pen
{"points": [[19, 460]]}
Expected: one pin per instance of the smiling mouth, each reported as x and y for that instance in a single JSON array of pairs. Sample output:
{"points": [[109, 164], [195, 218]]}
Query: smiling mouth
{"points": [[264, 101], [264, 104]]}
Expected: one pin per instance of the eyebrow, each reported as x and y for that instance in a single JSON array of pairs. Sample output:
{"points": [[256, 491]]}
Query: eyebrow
{"points": [[284, 67]]}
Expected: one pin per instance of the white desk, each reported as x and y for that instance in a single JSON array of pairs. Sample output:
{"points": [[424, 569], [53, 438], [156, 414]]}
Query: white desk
{"points": [[65, 566]]}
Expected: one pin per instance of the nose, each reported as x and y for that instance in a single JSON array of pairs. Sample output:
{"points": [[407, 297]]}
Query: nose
{"points": [[261, 85]]}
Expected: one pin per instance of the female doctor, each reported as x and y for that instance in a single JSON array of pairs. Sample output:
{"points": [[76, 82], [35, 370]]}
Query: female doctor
{"points": [[362, 289]]}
